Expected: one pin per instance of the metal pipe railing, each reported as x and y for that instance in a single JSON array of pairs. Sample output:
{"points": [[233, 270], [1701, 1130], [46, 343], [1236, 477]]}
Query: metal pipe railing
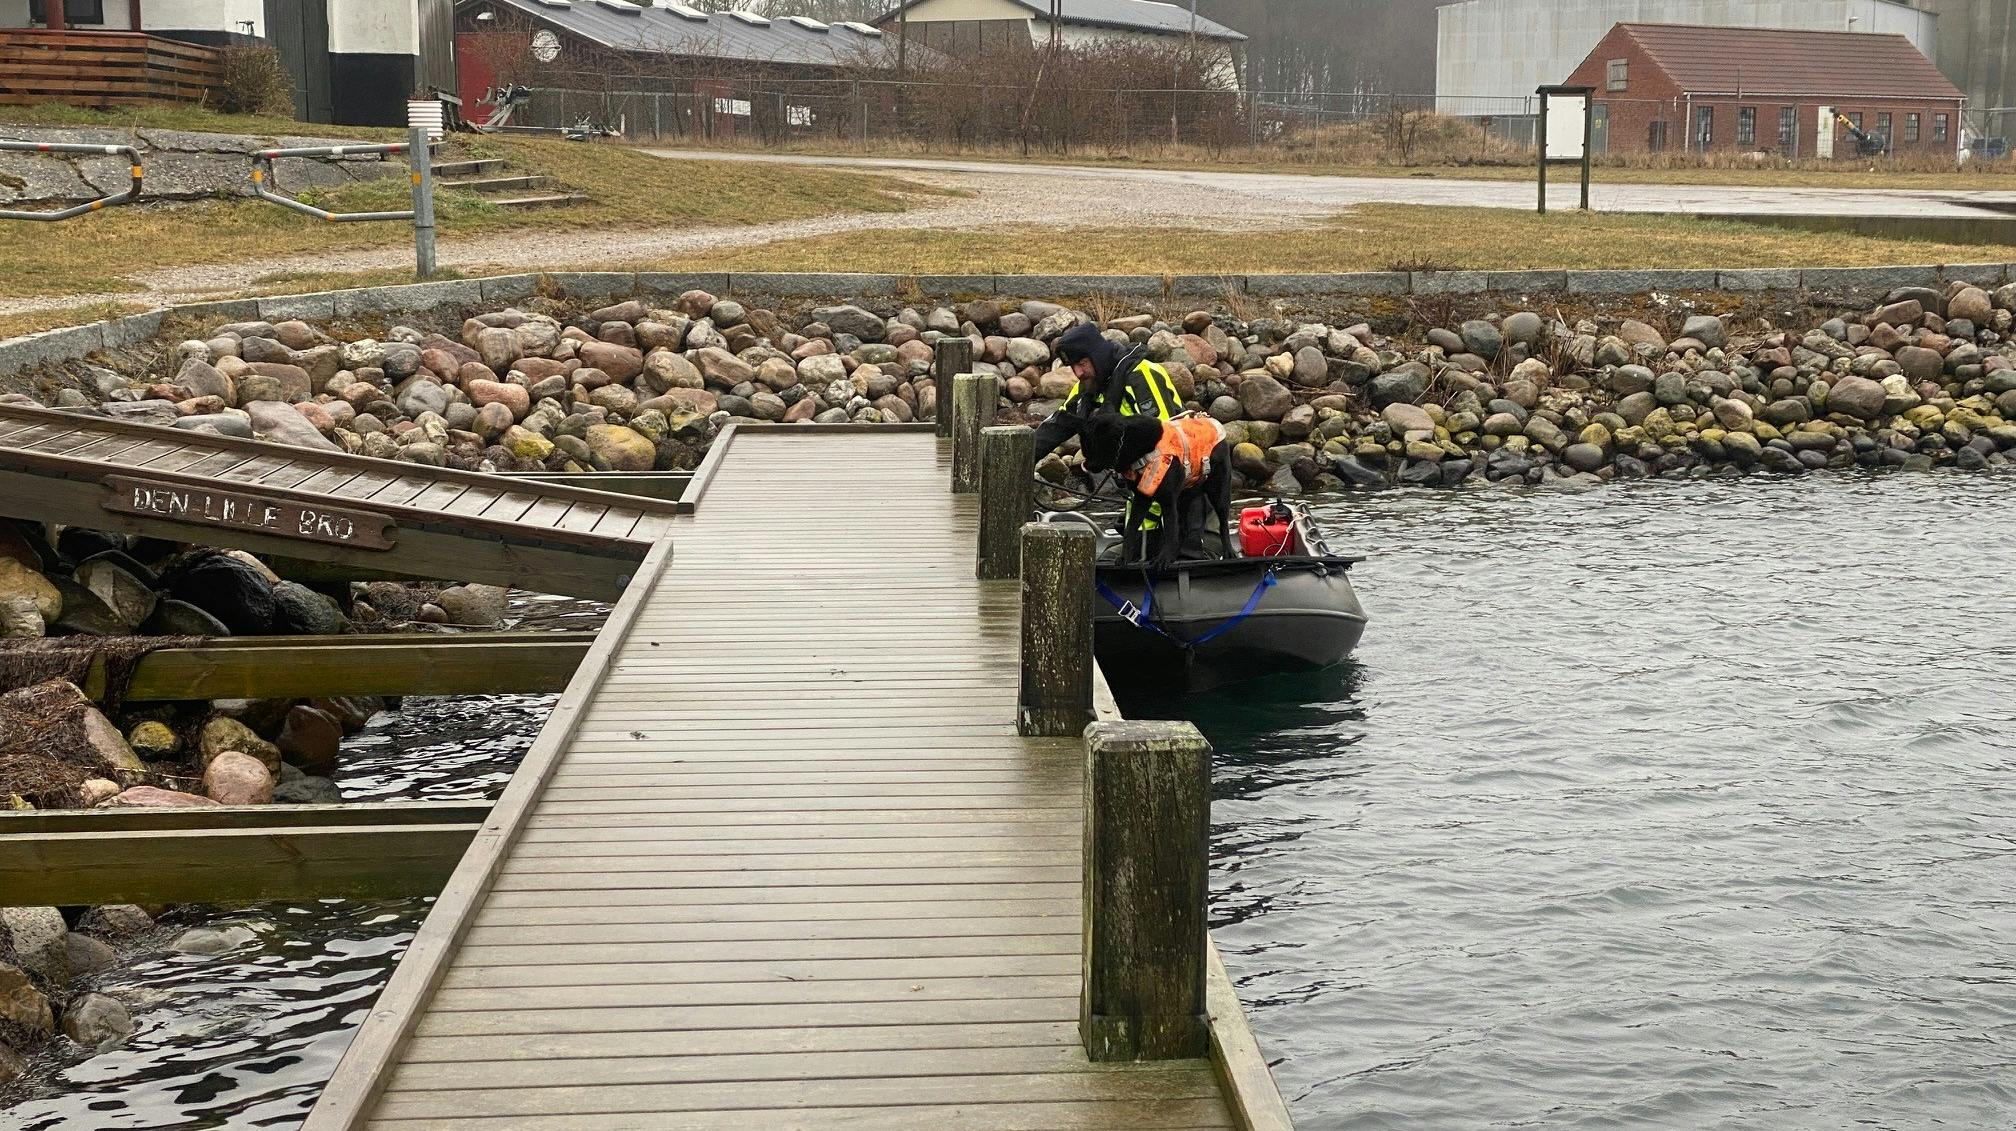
{"points": [[131, 194], [421, 160], [262, 170]]}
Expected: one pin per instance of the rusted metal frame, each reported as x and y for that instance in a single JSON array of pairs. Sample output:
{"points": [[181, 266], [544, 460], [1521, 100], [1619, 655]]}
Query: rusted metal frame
{"points": [[131, 194]]}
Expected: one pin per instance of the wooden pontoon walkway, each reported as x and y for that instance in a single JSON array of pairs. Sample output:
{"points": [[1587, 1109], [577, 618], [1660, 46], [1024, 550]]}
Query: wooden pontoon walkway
{"points": [[788, 864], [75, 469]]}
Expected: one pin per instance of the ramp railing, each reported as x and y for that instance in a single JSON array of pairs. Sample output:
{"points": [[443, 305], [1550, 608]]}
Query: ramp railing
{"points": [[419, 157], [131, 194]]}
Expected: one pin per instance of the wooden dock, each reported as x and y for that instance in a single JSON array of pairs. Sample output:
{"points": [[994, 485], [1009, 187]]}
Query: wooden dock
{"points": [[779, 858], [369, 517]]}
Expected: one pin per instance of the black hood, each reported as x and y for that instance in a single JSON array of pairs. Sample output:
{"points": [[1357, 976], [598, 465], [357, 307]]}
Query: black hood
{"points": [[1085, 340]]}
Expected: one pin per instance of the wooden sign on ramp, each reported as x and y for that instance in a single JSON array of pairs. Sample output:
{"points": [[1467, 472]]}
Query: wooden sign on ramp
{"points": [[284, 518]]}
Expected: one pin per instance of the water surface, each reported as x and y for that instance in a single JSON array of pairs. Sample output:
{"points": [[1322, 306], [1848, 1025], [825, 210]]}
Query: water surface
{"points": [[1660, 805]]}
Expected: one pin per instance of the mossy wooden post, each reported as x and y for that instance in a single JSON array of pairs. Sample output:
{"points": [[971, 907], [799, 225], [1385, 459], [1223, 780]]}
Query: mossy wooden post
{"points": [[1147, 836], [949, 358], [1056, 694], [1007, 499], [974, 396]]}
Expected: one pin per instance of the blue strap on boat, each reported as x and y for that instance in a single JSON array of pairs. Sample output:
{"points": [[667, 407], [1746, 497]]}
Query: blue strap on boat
{"points": [[1252, 602], [1142, 616], [1139, 616]]}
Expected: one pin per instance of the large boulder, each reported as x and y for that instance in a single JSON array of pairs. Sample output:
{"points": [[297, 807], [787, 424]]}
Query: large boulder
{"points": [[301, 611], [1263, 397], [1404, 385], [1857, 396], [24, 1010], [223, 733], [612, 447], [17, 581], [853, 320], [228, 588], [154, 797], [36, 937], [310, 738], [234, 778], [619, 362], [97, 1021], [202, 379]]}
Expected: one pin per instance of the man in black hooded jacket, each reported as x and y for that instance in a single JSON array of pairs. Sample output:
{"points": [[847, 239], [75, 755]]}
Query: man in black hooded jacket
{"points": [[1109, 380]]}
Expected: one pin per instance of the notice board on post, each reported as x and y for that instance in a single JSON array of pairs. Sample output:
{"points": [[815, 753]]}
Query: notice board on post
{"points": [[1567, 118]]}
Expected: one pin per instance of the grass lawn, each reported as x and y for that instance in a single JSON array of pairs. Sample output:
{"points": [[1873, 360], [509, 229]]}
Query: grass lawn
{"points": [[1373, 237], [628, 189]]}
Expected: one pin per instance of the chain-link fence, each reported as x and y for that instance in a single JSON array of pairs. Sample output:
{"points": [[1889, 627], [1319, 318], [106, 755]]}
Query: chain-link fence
{"points": [[1031, 116], [1056, 119]]}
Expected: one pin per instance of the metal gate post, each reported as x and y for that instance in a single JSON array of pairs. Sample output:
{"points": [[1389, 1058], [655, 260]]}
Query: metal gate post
{"points": [[422, 158]]}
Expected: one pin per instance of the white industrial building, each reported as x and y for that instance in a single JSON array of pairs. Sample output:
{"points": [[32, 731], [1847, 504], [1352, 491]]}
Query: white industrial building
{"points": [[1491, 55]]}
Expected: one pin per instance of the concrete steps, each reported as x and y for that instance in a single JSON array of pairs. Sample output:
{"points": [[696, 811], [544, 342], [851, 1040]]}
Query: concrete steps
{"points": [[492, 179]]}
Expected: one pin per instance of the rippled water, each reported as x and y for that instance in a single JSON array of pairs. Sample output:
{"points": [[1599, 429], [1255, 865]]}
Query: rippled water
{"points": [[247, 1039], [1662, 805]]}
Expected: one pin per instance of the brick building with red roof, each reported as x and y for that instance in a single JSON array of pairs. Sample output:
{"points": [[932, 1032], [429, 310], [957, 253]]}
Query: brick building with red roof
{"points": [[1686, 88]]}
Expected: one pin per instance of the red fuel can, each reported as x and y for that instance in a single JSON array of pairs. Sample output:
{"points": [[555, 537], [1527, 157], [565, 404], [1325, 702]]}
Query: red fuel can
{"points": [[1264, 532]]}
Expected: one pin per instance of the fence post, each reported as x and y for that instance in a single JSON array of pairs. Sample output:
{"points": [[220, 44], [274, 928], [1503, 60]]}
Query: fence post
{"points": [[1057, 575], [1147, 839], [949, 358], [1007, 499], [974, 398], [422, 160]]}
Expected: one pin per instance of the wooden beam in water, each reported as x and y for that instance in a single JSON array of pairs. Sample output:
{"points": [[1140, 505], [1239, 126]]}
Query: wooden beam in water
{"points": [[222, 818], [295, 667], [219, 854]]}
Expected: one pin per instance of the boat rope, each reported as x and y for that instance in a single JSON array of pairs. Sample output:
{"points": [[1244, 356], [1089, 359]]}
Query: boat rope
{"points": [[1143, 615]]}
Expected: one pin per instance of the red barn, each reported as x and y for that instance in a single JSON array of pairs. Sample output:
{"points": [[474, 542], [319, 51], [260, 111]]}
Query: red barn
{"points": [[1686, 88]]}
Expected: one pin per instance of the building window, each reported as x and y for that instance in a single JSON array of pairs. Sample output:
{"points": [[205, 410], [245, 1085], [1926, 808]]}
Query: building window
{"points": [[74, 11], [1746, 125], [1617, 75], [1939, 127], [1854, 120], [1883, 128], [1910, 127], [1655, 137], [1704, 126], [1788, 129]]}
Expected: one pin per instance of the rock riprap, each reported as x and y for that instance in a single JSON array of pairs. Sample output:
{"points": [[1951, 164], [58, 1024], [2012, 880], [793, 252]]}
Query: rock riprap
{"points": [[1926, 378]]}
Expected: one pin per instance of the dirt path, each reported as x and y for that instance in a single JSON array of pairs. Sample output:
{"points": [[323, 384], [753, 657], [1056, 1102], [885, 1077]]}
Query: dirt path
{"points": [[1025, 196]]}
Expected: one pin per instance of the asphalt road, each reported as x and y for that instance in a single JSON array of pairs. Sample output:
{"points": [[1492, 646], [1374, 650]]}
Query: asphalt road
{"points": [[1334, 193]]}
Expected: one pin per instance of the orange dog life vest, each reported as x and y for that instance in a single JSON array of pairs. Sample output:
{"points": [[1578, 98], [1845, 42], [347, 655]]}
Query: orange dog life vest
{"points": [[1187, 442]]}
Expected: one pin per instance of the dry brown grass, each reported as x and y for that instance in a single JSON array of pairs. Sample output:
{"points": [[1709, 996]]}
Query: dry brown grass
{"points": [[101, 251], [1371, 238]]}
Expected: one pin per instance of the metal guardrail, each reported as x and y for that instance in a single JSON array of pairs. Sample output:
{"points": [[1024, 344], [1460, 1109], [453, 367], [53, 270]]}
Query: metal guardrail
{"points": [[262, 171], [420, 158], [129, 196], [416, 145]]}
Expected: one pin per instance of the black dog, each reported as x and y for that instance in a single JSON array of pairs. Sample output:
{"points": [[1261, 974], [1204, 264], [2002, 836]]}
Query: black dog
{"points": [[1113, 442]]}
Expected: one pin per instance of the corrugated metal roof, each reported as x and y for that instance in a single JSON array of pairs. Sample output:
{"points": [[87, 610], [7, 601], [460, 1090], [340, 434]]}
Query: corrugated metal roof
{"points": [[1125, 15], [662, 30], [1768, 61]]}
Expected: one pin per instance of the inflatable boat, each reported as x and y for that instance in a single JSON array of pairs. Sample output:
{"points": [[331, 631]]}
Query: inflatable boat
{"points": [[1280, 602]]}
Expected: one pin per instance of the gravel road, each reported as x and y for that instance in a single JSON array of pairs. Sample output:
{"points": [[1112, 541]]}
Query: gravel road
{"points": [[1025, 197]]}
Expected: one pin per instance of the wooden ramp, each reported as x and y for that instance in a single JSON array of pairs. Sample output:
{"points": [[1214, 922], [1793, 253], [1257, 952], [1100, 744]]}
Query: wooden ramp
{"points": [[371, 516], [787, 864]]}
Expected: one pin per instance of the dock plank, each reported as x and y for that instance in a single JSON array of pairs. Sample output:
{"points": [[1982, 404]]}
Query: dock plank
{"points": [[822, 884]]}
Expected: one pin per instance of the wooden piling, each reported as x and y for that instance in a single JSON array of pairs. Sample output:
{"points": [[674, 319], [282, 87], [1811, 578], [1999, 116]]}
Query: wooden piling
{"points": [[1007, 499], [949, 358], [974, 396], [1147, 837], [1057, 578]]}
